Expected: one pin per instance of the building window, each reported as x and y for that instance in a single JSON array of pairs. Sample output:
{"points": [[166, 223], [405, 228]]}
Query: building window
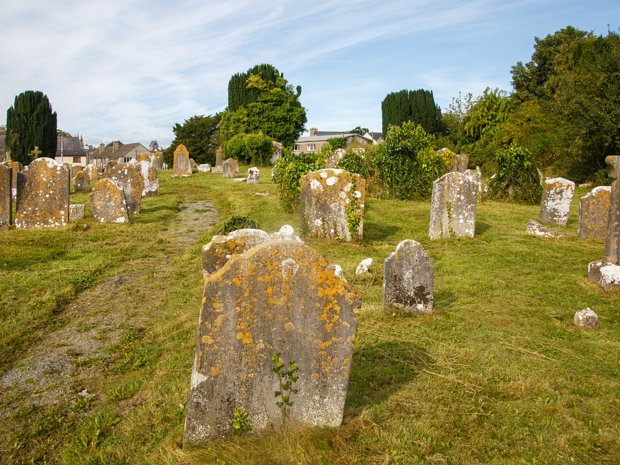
{"points": [[297, 147], [311, 148], [126, 159], [77, 159]]}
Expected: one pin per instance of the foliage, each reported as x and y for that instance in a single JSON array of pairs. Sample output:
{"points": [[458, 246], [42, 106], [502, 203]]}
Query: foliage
{"points": [[486, 115], [30, 123], [337, 143], [238, 222], [286, 380], [356, 163], [406, 162], [240, 422], [359, 130], [517, 177], [453, 119], [239, 94], [289, 169], [411, 105], [352, 212], [253, 149], [200, 135]]}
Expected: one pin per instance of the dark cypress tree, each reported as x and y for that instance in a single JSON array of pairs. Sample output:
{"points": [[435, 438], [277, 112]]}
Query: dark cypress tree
{"points": [[411, 105], [30, 122], [238, 93]]}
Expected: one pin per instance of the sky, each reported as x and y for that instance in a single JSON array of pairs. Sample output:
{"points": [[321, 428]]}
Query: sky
{"points": [[130, 69]]}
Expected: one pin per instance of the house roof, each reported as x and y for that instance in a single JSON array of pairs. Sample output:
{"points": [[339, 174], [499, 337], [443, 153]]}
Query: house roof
{"points": [[122, 150], [323, 136]]}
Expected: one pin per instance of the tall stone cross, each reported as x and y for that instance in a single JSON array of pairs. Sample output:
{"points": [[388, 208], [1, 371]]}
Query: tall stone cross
{"points": [[36, 151], [612, 244]]}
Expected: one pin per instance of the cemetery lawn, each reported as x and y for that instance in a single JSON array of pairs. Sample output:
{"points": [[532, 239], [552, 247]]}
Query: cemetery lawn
{"points": [[98, 328]]}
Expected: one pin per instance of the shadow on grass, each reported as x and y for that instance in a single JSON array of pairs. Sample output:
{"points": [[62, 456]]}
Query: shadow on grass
{"points": [[481, 228], [377, 232], [381, 368], [155, 214]]}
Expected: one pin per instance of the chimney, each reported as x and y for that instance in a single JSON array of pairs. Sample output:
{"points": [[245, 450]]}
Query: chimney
{"points": [[101, 148], [114, 146], [313, 131]]}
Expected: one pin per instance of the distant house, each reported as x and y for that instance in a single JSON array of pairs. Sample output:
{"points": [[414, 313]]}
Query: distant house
{"points": [[116, 151], [316, 140], [71, 150]]}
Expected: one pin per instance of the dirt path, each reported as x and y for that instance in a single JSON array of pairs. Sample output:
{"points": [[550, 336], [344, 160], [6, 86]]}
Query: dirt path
{"points": [[54, 369]]}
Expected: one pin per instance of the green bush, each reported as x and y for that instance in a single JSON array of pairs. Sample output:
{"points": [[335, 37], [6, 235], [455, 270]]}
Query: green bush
{"points": [[356, 163], [238, 222], [517, 177], [253, 149], [288, 172]]}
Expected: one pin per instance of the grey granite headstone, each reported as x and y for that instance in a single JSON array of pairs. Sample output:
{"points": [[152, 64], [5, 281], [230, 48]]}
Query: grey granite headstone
{"points": [[107, 201], [453, 206], [6, 197], [556, 198]]}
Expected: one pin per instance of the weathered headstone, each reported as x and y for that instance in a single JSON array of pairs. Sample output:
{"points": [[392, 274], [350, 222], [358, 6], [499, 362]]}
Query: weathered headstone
{"points": [[92, 172], [586, 318], [453, 206], [459, 163], [43, 195], [181, 166], [81, 182], [230, 168], [143, 156], [6, 197], [109, 165], [334, 158], [594, 213], [556, 198], [217, 252], [75, 169], [253, 175], [129, 177], [536, 229], [76, 211], [150, 178], [279, 299], [219, 158], [408, 278], [107, 201], [193, 164], [204, 168], [16, 167], [363, 267], [332, 204], [157, 160]]}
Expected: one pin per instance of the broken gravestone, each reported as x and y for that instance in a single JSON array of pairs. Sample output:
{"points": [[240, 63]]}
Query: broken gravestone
{"points": [[81, 182], [230, 168], [594, 213], [204, 168], [76, 211], [453, 206], [253, 175], [459, 163], [332, 204], [6, 197], [217, 252], [107, 201], [43, 195], [129, 177], [556, 198], [586, 318], [150, 178], [363, 267], [16, 167], [536, 229], [278, 303], [408, 278], [181, 166]]}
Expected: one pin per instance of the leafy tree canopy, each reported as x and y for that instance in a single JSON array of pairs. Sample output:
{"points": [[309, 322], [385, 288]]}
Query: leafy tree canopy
{"points": [[200, 135]]}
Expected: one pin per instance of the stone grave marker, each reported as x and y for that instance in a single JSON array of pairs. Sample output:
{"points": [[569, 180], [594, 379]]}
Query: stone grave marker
{"points": [[92, 172], [6, 197], [279, 300], [217, 252], [143, 156], [230, 168], [335, 157], [75, 169], [586, 318], [408, 278], [107, 201], [43, 195], [332, 204], [453, 206], [193, 164], [181, 166], [459, 163], [129, 177], [556, 199], [253, 175], [150, 178], [76, 211], [109, 165], [157, 160], [204, 168], [81, 182], [594, 213], [219, 158], [16, 167]]}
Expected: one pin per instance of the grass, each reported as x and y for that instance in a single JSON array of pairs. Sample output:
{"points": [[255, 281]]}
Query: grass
{"points": [[498, 374]]}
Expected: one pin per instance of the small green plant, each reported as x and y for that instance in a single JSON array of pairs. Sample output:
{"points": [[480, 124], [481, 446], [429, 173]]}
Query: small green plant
{"points": [[352, 210], [238, 222], [241, 422], [517, 177], [286, 379], [289, 169]]}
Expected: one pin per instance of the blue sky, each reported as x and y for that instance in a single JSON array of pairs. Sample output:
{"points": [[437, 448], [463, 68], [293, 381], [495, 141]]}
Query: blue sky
{"points": [[130, 69]]}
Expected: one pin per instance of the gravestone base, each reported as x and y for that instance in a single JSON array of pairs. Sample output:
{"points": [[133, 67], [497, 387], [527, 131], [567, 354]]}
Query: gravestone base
{"points": [[606, 276]]}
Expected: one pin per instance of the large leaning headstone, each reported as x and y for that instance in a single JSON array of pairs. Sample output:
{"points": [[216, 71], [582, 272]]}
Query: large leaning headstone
{"points": [[453, 206], [594, 213], [280, 297], [42, 195], [129, 177], [556, 198], [107, 201], [6, 197], [332, 204], [181, 166], [150, 178], [408, 278]]}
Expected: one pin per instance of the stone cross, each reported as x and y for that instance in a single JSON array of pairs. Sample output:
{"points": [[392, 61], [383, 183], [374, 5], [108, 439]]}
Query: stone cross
{"points": [[36, 151]]}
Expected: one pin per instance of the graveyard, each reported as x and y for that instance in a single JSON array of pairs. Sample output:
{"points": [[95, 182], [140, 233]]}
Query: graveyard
{"points": [[100, 329]]}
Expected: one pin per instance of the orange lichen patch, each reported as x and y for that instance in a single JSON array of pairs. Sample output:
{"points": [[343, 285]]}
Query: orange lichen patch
{"points": [[213, 371], [237, 281], [207, 339], [288, 327], [245, 337], [315, 376]]}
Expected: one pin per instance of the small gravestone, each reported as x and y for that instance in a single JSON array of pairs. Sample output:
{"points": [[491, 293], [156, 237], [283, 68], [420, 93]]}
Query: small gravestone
{"points": [[144, 157], [363, 267], [181, 166], [107, 201], [91, 171], [459, 163], [217, 252], [129, 177], [335, 158], [230, 168], [16, 167], [75, 169], [43, 195], [279, 300], [109, 165], [219, 159], [536, 229], [586, 318], [193, 164], [150, 178], [157, 160], [332, 204], [204, 168], [594, 213], [81, 182], [253, 175], [453, 206], [556, 198], [76, 211], [408, 278], [6, 197]]}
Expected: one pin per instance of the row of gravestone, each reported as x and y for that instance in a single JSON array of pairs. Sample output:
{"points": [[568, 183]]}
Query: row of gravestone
{"points": [[271, 303], [42, 193]]}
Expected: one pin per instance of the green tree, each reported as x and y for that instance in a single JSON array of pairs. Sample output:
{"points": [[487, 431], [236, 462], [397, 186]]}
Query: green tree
{"points": [[411, 105], [30, 122], [200, 135], [254, 149]]}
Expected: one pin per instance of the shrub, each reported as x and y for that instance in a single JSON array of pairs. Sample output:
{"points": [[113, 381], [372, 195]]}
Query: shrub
{"points": [[289, 169], [355, 163], [238, 222], [517, 177], [254, 149]]}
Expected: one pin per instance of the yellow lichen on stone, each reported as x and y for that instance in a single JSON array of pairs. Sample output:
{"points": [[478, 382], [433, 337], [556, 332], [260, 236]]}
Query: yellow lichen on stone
{"points": [[213, 371], [288, 327], [207, 339]]}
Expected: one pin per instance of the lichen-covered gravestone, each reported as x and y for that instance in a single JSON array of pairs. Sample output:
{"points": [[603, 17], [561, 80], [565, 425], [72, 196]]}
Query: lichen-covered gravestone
{"points": [[6, 198], [204, 168], [556, 198], [408, 278], [459, 163], [75, 169], [150, 178], [129, 177], [217, 252], [81, 182], [157, 160], [594, 213], [230, 168], [279, 297], [16, 167], [253, 175], [332, 204], [76, 211], [91, 171], [453, 206], [107, 201], [43, 195], [181, 166]]}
